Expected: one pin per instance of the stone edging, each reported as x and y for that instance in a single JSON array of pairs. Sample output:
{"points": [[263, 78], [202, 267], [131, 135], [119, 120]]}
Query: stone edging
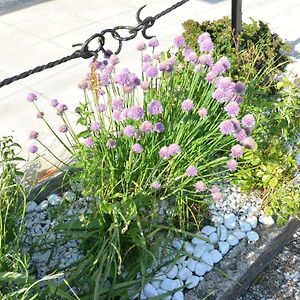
{"points": [[243, 264]]}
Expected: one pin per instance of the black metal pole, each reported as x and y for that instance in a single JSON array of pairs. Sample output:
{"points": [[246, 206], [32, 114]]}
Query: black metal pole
{"points": [[236, 17]]}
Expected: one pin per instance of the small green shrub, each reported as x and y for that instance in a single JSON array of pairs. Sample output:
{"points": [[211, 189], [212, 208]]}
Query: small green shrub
{"points": [[257, 56]]}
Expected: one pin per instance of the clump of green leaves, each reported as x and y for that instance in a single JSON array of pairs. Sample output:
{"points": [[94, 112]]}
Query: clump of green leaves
{"points": [[257, 55]]}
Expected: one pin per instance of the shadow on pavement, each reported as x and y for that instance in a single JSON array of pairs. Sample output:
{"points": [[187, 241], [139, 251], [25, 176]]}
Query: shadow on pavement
{"points": [[7, 6]]}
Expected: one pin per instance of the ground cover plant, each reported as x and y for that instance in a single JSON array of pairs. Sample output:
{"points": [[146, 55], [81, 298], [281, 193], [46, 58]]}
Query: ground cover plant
{"points": [[149, 155]]}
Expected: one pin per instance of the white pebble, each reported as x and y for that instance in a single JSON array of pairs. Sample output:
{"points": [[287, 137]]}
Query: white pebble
{"points": [[69, 196], [245, 226], [168, 284], [184, 273], [252, 236], [223, 233], [252, 221], [252, 211], [200, 269], [213, 238], [199, 250], [54, 199], [192, 281], [230, 221], [207, 230], [191, 264], [30, 206], [177, 244], [178, 296], [188, 247], [266, 220], [150, 291], [232, 240], [42, 206], [208, 260], [223, 247], [172, 272], [209, 247], [216, 255], [239, 233], [199, 240], [160, 276]]}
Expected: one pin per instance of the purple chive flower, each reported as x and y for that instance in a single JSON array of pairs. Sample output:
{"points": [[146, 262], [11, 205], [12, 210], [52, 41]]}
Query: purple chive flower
{"points": [[232, 108], [136, 113], [104, 79], [33, 135], [32, 149], [101, 107], [124, 114], [53, 102], [174, 149], [232, 165], [206, 59], [31, 97], [191, 171], [95, 126], [137, 148], [237, 151], [217, 196], [219, 95], [83, 84], [151, 71], [147, 58], [155, 108], [111, 144], [187, 105], [146, 126], [206, 45], [179, 41], [187, 51], [192, 57], [141, 46], [153, 42], [165, 67], [248, 142], [89, 142], [156, 185], [117, 103], [144, 85], [164, 152], [211, 76], [224, 83], [159, 127], [62, 108], [225, 62], [116, 115], [200, 186], [226, 127], [239, 100], [157, 55], [129, 131], [215, 189], [248, 121], [114, 59], [101, 92], [240, 135], [239, 87], [40, 114], [236, 123], [202, 112], [203, 36], [63, 128]]}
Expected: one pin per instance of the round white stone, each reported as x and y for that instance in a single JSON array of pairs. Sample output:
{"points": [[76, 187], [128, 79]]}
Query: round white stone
{"points": [[222, 232], [207, 260], [188, 247], [216, 255], [160, 276], [42, 206], [239, 233], [209, 247], [179, 283], [199, 250], [199, 240], [266, 220], [30, 206], [223, 247], [161, 292], [54, 199], [229, 221], [252, 211], [200, 269], [252, 236], [213, 237], [69, 196], [252, 221], [177, 244], [192, 281], [168, 284], [245, 226], [207, 230], [178, 296], [191, 264], [172, 272], [232, 240], [184, 273], [150, 291]]}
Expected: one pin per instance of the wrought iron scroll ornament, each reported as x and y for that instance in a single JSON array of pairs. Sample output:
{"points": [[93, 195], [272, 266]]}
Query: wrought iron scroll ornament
{"points": [[85, 51]]}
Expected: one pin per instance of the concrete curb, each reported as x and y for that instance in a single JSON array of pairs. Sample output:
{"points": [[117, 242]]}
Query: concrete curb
{"points": [[243, 264]]}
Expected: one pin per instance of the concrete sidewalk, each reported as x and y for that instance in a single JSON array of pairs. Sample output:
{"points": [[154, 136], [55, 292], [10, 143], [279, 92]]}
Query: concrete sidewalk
{"points": [[45, 32]]}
